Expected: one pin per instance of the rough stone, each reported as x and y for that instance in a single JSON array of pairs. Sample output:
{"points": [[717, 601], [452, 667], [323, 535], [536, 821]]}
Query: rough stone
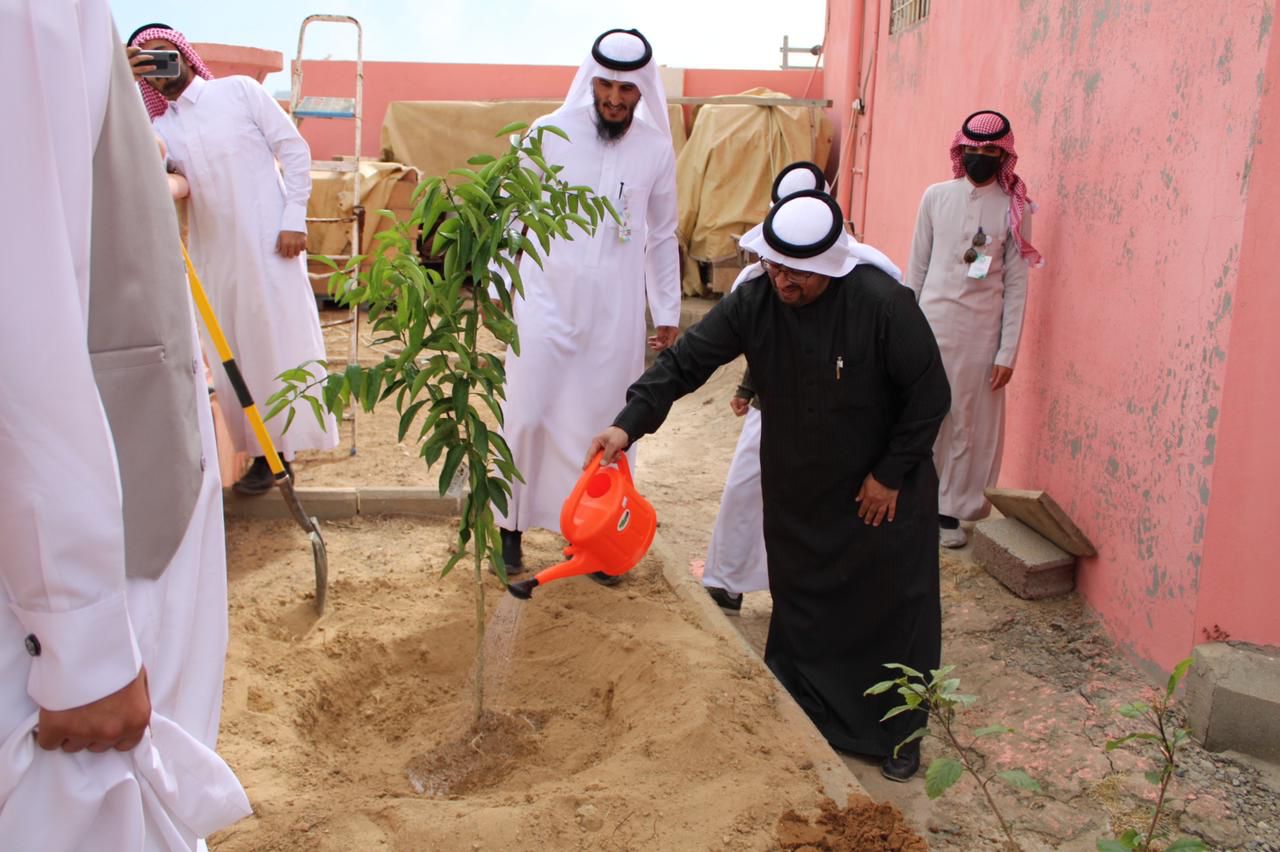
{"points": [[1029, 565], [1233, 699], [1209, 819], [325, 504]]}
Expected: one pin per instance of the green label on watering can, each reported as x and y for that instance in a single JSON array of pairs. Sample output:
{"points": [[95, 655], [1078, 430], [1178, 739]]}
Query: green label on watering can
{"points": [[624, 520]]}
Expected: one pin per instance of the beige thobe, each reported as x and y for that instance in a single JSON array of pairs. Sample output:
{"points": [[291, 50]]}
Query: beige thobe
{"points": [[978, 324]]}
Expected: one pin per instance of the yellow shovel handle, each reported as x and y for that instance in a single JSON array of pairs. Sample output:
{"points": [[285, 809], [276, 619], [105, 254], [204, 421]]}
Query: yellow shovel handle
{"points": [[229, 364]]}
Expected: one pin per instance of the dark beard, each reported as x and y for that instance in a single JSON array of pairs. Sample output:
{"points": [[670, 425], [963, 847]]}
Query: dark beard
{"points": [[610, 131], [174, 87]]}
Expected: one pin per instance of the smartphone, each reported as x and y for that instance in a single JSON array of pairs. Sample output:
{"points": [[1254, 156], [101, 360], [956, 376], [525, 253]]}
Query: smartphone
{"points": [[166, 62]]}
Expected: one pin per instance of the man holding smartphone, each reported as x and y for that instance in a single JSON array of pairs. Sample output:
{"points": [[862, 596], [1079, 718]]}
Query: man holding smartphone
{"points": [[247, 223]]}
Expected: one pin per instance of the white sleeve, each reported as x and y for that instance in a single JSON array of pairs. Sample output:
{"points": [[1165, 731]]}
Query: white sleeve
{"points": [[61, 518], [291, 151], [1015, 297], [662, 256], [921, 247]]}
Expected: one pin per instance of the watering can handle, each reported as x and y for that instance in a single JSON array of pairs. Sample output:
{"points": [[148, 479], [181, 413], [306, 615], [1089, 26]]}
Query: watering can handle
{"points": [[621, 462], [592, 467]]}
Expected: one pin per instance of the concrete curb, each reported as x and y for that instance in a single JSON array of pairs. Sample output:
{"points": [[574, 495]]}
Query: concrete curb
{"points": [[838, 782], [331, 504], [1233, 698]]}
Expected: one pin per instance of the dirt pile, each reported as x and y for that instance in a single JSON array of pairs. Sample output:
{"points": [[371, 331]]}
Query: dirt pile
{"points": [[861, 826]]}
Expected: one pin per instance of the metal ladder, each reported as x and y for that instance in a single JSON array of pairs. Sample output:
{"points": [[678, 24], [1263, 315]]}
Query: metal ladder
{"points": [[350, 109]]}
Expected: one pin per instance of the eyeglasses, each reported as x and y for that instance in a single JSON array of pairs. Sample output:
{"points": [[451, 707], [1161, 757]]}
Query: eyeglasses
{"points": [[794, 274], [980, 239]]}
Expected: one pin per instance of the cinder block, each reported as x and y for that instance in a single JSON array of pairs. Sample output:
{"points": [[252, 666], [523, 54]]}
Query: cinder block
{"points": [[416, 502], [326, 504], [1029, 565], [1233, 698]]}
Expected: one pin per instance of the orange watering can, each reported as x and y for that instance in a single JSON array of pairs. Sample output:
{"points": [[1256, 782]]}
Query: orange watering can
{"points": [[608, 524]]}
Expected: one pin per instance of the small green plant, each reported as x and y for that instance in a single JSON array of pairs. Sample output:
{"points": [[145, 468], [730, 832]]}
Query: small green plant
{"points": [[479, 221], [939, 696], [1162, 732]]}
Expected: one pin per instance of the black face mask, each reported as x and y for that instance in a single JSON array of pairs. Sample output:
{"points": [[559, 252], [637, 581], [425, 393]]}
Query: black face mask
{"points": [[979, 167]]}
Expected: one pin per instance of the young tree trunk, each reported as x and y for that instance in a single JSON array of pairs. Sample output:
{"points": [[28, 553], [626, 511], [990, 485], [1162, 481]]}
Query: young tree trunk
{"points": [[479, 687]]}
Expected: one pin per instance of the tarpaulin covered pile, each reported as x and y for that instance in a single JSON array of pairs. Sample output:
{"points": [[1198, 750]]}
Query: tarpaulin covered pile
{"points": [[436, 136], [725, 171]]}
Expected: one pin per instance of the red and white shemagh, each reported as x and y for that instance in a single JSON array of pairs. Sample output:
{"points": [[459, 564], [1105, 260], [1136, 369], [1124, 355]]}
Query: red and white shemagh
{"points": [[156, 102], [983, 124]]}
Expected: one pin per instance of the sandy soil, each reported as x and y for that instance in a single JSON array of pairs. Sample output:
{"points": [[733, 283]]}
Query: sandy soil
{"points": [[640, 732], [615, 720]]}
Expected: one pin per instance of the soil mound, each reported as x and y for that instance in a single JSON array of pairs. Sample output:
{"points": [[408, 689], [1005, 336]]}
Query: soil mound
{"points": [[861, 826]]}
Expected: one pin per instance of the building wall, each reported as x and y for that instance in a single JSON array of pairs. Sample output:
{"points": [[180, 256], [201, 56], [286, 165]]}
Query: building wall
{"points": [[1138, 127], [1239, 586], [385, 82]]}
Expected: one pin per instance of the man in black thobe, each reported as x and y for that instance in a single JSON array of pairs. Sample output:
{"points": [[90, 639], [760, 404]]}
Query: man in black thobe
{"points": [[855, 393]]}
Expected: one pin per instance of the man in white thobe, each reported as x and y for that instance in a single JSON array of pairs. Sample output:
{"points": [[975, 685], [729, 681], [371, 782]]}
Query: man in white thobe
{"points": [[113, 619], [582, 317], [247, 229], [736, 559], [969, 262]]}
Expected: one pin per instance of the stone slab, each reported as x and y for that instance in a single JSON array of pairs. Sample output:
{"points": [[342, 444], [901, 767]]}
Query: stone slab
{"points": [[1233, 698], [415, 502], [1029, 565], [326, 504], [1041, 513]]}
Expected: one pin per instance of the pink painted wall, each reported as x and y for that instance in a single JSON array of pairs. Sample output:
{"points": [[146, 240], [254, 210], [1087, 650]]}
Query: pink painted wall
{"points": [[385, 82], [1136, 128], [1239, 586], [224, 60]]}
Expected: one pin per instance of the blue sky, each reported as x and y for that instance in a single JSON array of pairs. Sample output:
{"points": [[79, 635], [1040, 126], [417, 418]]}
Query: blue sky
{"points": [[684, 33]]}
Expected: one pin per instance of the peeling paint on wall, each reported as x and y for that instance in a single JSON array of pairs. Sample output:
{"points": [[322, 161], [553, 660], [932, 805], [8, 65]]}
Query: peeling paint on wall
{"points": [[1224, 63], [1136, 149]]}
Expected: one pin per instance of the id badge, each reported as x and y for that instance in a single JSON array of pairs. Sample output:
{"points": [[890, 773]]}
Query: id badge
{"points": [[980, 267]]}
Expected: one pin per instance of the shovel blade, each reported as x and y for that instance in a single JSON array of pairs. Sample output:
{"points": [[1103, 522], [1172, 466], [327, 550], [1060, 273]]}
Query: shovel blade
{"points": [[321, 557]]}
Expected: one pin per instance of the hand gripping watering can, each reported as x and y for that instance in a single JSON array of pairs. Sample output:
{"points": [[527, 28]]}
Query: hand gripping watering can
{"points": [[608, 524]]}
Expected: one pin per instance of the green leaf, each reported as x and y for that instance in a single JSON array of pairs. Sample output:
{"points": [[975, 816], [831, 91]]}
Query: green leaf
{"points": [[1111, 845], [1112, 745], [901, 708], [1019, 780], [1134, 710], [551, 128], [453, 560], [315, 409], [513, 127], [451, 461], [1153, 776], [1186, 844], [498, 494], [881, 687], [992, 730], [406, 419], [918, 733], [1179, 672], [941, 774], [904, 669], [281, 404]]}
